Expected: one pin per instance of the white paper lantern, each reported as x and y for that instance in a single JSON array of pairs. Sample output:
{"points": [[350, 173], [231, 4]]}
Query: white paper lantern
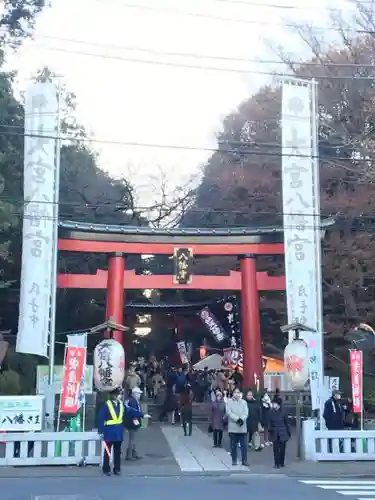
{"points": [[296, 364], [109, 365]]}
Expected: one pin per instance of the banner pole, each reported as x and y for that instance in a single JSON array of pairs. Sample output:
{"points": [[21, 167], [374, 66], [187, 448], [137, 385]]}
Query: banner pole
{"points": [[84, 389], [52, 335], [362, 393], [62, 382]]}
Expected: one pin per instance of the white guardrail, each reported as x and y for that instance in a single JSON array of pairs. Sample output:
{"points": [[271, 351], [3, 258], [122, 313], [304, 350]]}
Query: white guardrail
{"points": [[50, 448], [324, 445]]}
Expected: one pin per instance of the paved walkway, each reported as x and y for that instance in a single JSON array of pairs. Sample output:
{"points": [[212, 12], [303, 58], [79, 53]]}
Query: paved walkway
{"points": [[195, 453], [167, 452]]}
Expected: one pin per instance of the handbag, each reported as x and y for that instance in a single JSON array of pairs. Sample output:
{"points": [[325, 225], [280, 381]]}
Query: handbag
{"points": [[225, 421], [255, 440], [210, 429]]}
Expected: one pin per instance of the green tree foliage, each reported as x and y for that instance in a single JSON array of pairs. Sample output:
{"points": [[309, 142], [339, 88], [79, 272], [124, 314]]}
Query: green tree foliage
{"points": [[18, 19], [10, 384], [87, 193]]}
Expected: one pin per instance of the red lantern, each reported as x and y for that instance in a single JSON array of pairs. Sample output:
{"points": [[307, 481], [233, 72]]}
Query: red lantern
{"points": [[202, 352]]}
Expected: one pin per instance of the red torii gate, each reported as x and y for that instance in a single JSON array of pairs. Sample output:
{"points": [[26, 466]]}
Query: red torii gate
{"points": [[119, 241]]}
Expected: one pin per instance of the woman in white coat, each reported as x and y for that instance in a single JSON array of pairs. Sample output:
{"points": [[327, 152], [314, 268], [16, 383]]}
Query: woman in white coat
{"points": [[237, 413]]}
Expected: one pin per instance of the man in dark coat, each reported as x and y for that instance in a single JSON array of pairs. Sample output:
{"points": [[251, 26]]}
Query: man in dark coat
{"points": [[255, 416], [334, 417], [186, 409], [279, 431], [334, 413]]}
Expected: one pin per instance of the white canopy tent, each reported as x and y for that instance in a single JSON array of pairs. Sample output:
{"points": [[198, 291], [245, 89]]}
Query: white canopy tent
{"points": [[212, 362]]}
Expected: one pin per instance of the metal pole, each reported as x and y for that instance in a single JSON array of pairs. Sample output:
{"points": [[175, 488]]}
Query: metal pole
{"points": [[298, 411], [52, 336], [298, 424], [317, 238], [362, 405], [62, 382], [83, 427]]}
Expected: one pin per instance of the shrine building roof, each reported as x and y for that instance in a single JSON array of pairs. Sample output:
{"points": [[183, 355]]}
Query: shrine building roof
{"points": [[85, 231]]}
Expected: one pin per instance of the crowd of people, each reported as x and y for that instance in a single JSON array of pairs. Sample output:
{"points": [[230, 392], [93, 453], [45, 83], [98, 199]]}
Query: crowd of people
{"points": [[174, 390], [245, 418], [243, 415]]}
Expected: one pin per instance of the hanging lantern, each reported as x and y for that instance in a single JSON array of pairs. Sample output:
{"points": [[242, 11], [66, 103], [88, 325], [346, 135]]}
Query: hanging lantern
{"points": [[296, 364], [202, 352], [109, 365], [228, 307]]}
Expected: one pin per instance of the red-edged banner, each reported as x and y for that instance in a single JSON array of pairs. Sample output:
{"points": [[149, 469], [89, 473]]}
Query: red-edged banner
{"points": [[181, 346], [73, 371], [356, 373]]}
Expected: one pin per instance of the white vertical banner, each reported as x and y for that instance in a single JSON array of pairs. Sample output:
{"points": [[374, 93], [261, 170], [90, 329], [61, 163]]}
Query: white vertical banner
{"points": [[181, 347], [301, 209], [41, 125]]}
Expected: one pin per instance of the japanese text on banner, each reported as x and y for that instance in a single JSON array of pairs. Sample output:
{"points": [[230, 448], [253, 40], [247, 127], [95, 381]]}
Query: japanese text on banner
{"points": [[356, 375], [302, 226], [181, 346], [75, 360], [41, 123], [21, 413]]}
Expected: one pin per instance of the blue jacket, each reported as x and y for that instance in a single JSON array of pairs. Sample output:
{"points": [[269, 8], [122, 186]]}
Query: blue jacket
{"points": [[115, 433], [180, 381], [134, 413]]}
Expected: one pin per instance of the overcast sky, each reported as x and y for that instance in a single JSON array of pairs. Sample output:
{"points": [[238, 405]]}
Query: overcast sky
{"points": [[122, 100]]}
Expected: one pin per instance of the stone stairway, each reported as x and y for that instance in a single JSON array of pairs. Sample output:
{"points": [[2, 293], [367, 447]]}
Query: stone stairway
{"points": [[201, 412]]}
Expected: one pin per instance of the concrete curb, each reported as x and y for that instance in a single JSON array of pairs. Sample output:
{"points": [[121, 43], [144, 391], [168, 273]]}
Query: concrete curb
{"points": [[335, 475], [93, 472]]}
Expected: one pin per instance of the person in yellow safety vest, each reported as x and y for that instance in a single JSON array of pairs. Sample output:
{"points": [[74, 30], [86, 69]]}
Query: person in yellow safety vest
{"points": [[111, 428]]}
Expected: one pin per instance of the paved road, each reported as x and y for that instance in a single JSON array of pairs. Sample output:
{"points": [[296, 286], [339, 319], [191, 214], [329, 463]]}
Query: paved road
{"points": [[359, 489], [183, 488]]}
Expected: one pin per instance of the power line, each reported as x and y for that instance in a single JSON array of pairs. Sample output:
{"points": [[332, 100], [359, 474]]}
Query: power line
{"points": [[138, 210], [171, 64], [289, 7], [231, 143], [167, 10], [241, 152], [202, 56], [238, 148]]}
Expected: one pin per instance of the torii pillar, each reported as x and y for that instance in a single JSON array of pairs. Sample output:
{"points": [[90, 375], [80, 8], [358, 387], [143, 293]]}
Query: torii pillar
{"points": [[115, 294], [250, 324]]}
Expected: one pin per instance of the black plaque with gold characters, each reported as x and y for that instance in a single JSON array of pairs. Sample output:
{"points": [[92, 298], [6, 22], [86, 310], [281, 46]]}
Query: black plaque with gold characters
{"points": [[182, 260]]}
